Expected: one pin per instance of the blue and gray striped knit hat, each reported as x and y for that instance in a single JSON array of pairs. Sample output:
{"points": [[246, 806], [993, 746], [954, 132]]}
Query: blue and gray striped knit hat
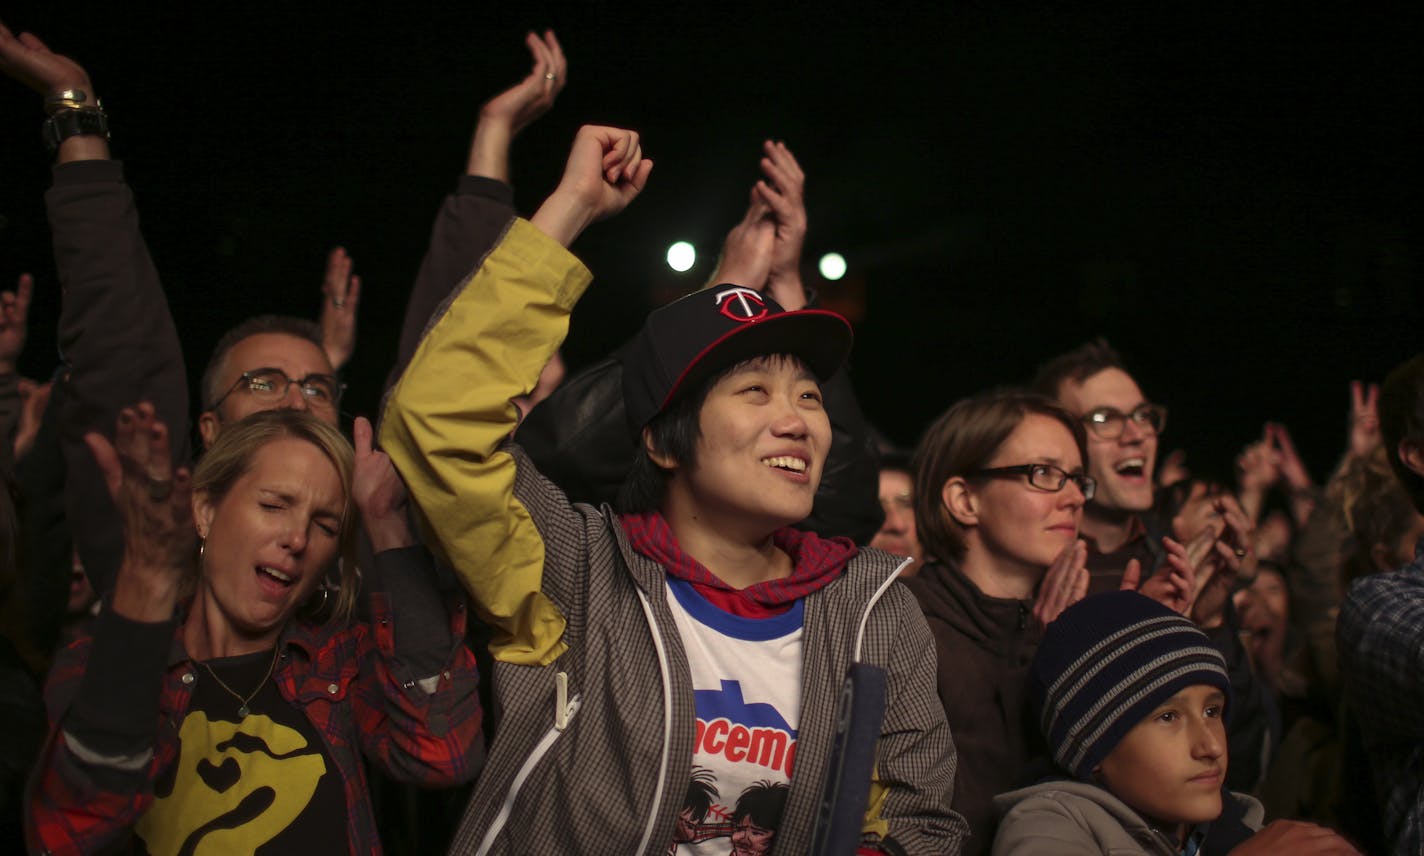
{"points": [[1105, 664]]}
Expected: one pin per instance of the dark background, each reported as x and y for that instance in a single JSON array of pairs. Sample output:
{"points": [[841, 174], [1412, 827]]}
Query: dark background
{"points": [[1229, 194]]}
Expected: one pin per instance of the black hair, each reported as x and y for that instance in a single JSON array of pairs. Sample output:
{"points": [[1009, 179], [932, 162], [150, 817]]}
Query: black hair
{"points": [[763, 802], [1076, 365], [674, 432], [701, 792], [898, 460]]}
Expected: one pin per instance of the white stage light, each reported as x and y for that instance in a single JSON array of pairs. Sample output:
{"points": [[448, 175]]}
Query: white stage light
{"points": [[833, 266], [681, 256]]}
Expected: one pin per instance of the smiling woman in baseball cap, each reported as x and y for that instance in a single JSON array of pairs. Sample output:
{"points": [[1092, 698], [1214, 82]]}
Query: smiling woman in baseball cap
{"points": [[692, 635], [709, 342]]}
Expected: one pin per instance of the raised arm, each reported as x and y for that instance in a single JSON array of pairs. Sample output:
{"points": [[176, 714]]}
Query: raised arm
{"points": [[340, 298], [782, 189], [417, 702], [847, 501], [444, 433], [511, 111], [94, 777], [579, 437], [63, 84], [115, 330], [473, 218]]}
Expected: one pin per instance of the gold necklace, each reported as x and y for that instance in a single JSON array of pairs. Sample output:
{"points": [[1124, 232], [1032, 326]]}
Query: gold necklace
{"points": [[243, 710]]}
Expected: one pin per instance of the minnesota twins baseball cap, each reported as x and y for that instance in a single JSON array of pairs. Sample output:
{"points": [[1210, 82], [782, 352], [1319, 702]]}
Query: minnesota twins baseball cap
{"points": [[693, 338]]}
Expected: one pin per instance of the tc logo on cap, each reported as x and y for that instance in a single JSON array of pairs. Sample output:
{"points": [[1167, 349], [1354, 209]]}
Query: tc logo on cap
{"points": [[741, 305]]}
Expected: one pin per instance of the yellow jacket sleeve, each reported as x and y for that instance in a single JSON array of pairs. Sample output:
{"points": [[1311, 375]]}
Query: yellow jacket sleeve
{"points": [[446, 416]]}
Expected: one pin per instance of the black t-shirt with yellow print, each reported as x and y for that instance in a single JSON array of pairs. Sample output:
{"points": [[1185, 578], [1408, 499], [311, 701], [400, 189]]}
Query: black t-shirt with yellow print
{"points": [[262, 783]]}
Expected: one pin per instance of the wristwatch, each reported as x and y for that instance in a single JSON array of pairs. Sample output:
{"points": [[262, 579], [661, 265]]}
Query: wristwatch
{"points": [[69, 123]]}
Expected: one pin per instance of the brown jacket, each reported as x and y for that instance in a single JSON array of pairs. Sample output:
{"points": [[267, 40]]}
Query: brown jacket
{"points": [[984, 646]]}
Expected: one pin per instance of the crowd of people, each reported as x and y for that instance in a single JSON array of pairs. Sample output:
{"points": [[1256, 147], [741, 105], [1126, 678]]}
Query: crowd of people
{"points": [[679, 562]]}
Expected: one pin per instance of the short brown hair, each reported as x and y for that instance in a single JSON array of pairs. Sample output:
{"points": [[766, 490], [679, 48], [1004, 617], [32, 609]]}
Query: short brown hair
{"points": [[965, 439], [1076, 365], [284, 325], [1401, 414], [230, 458]]}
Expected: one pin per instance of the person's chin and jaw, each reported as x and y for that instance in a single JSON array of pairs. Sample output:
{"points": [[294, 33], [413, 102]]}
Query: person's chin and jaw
{"points": [[1124, 474]]}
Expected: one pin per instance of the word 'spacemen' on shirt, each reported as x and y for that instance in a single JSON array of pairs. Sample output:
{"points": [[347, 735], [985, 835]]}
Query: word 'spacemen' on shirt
{"points": [[746, 679]]}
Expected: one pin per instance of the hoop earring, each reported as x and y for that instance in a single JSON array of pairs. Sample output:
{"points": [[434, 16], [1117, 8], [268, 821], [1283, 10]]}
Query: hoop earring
{"points": [[202, 542], [314, 609]]}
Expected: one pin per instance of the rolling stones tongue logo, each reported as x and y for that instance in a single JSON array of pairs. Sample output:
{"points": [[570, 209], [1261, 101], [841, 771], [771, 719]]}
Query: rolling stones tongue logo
{"points": [[237, 786], [742, 305]]}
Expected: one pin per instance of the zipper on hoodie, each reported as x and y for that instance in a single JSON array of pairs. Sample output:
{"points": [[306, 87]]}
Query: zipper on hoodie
{"points": [[564, 716]]}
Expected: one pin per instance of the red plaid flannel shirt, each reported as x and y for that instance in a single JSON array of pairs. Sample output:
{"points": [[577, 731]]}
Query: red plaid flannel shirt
{"points": [[429, 739]]}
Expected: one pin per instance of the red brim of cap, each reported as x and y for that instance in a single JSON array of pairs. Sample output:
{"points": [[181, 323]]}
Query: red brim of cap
{"points": [[816, 337]]}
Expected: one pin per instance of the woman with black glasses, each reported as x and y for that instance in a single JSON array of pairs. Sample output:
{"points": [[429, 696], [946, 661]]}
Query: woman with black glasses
{"points": [[999, 493]]}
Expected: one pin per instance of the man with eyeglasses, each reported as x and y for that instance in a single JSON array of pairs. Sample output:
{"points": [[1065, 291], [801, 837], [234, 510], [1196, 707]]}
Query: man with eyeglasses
{"points": [[1092, 383], [266, 363], [1123, 426]]}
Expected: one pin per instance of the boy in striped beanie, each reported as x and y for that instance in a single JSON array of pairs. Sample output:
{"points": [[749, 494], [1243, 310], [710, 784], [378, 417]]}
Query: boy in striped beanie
{"points": [[1132, 700]]}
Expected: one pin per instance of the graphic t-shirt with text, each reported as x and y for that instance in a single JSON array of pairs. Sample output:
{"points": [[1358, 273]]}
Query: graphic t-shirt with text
{"points": [[746, 679]]}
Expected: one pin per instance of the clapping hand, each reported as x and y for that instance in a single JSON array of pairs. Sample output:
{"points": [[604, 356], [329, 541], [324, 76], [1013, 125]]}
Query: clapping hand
{"points": [[513, 110], [747, 251], [518, 106], [1173, 585], [1063, 584], [1220, 558], [783, 191]]}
